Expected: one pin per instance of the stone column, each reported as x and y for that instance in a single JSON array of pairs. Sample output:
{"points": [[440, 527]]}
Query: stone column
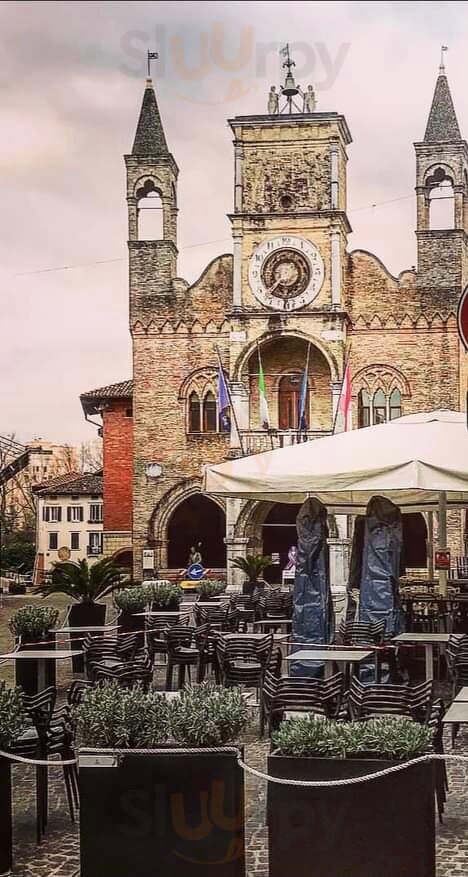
{"points": [[240, 401], [336, 392], [459, 207], [238, 156], [422, 209], [132, 219], [235, 546], [237, 270], [335, 269], [334, 180]]}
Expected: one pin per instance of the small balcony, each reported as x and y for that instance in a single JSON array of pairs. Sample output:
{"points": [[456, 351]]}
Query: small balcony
{"points": [[255, 441]]}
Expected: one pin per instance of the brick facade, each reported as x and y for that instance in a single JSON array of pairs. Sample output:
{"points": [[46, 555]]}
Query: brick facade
{"points": [[399, 332]]}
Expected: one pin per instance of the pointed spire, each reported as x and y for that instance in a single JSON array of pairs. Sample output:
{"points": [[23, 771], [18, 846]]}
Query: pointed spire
{"points": [[442, 124], [149, 138]]}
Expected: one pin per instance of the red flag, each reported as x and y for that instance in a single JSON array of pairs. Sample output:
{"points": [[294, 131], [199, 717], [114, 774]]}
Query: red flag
{"points": [[343, 413]]}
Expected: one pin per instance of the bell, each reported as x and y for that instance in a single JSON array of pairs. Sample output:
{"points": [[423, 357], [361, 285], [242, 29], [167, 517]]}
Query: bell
{"points": [[290, 87]]}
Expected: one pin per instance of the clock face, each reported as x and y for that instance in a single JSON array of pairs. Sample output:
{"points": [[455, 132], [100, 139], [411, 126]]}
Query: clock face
{"points": [[286, 273]]}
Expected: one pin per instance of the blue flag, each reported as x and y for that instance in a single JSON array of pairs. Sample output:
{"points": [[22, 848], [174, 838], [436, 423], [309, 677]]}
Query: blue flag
{"points": [[223, 402]]}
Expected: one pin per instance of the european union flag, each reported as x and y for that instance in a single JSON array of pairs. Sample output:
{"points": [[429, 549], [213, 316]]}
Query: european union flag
{"points": [[223, 401]]}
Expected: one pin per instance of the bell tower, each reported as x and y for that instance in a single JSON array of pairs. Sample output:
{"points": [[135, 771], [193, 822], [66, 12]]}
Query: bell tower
{"points": [[151, 177], [289, 222], [442, 182]]}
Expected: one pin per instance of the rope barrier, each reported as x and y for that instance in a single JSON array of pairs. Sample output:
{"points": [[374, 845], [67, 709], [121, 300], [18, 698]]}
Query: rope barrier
{"points": [[233, 750]]}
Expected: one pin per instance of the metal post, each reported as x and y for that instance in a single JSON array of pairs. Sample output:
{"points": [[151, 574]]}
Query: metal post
{"points": [[443, 538], [430, 544]]}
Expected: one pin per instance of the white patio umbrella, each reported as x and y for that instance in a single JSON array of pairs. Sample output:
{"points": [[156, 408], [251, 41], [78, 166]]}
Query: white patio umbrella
{"points": [[420, 462]]}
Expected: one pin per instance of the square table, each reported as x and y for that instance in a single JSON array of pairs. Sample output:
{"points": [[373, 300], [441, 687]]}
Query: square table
{"points": [[274, 622], [462, 696], [456, 715], [328, 656], [150, 614], [41, 657], [88, 628], [428, 640]]}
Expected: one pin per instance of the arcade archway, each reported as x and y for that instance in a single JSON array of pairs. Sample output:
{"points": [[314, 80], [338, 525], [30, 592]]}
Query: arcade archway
{"points": [[197, 519], [278, 535]]}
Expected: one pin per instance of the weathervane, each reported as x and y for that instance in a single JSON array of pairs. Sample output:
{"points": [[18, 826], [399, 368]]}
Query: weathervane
{"points": [[152, 56], [289, 91], [443, 49]]}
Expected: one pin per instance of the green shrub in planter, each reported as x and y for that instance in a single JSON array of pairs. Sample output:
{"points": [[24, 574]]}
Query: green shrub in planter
{"points": [[207, 716], [132, 599], [111, 717], [12, 715], [388, 737], [165, 597], [33, 622], [210, 588]]}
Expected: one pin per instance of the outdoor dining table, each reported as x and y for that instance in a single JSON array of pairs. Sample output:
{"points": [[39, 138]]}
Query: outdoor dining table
{"points": [[348, 657], [150, 614], [455, 716], [462, 696], [41, 657], [428, 640], [273, 622]]}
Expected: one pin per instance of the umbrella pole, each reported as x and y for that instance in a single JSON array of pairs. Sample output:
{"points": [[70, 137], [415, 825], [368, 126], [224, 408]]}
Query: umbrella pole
{"points": [[443, 538], [430, 544]]}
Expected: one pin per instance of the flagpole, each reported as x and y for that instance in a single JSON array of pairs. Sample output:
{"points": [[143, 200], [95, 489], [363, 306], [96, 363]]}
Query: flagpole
{"points": [[302, 409], [233, 410], [346, 363], [260, 371]]}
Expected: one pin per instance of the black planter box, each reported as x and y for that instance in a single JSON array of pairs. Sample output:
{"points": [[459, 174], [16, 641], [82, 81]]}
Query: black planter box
{"points": [[81, 614], [163, 815], [381, 828], [6, 827], [26, 672]]}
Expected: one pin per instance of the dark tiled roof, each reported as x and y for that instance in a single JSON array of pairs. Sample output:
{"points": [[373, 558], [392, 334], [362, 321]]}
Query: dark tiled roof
{"points": [[92, 399], [56, 482], [442, 124], [149, 137], [83, 484]]}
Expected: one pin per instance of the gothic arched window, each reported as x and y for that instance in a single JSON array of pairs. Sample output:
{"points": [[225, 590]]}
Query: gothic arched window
{"points": [[364, 411], [441, 200], [379, 407], [210, 415], [194, 413], [395, 404]]}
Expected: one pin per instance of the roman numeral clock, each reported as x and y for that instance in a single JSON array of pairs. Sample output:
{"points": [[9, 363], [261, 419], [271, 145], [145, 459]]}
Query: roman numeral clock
{"points": [[286, 273]]}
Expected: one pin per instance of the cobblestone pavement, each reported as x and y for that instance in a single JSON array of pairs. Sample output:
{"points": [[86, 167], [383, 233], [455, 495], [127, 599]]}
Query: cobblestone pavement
{"points": [[58, 855]]}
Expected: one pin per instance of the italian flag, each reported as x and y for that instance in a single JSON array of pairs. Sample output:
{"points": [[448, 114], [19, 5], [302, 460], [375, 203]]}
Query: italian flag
{"points": [[343, 414], [263, 404]]}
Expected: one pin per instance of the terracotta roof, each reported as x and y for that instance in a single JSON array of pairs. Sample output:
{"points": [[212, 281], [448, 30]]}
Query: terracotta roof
{"points": [[81, 484], [57, 481], [92, 400]]}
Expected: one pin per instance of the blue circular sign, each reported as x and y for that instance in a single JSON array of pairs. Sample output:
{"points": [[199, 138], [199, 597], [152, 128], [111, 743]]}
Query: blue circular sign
{"points": [[195, 572]]}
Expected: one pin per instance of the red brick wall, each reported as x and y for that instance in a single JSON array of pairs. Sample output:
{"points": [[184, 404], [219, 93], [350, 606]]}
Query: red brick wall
{"points": [[118, 466]]}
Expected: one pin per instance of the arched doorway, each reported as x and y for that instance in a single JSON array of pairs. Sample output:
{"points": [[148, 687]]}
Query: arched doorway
{"points": [[279, 534], [124, 559], [415, 540], [197, 519]]}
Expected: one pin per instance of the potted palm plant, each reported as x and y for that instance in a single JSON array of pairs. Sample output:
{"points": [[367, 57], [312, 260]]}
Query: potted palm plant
{"points": [[85, 585], [12, 723], [381, 827], [173, 810], [253, 566], [32, 627]]}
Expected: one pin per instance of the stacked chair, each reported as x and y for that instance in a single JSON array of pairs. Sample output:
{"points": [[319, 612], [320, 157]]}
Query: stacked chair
{"points": [[286, 696]]}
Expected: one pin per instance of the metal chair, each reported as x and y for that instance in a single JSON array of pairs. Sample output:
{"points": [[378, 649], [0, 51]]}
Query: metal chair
{"points": [[298, 694], [182, 652], [243, 659]]}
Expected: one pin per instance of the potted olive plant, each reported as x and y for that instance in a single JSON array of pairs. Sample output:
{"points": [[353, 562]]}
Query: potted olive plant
{"points": [[172, 810], [85, 585], [209, 588], [380, 827], [165, 597], [12, 723], [253, 566], [32, 627]]}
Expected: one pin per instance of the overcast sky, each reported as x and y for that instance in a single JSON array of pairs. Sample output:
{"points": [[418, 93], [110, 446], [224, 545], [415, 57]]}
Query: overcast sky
{"points": [[72, 79]]}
